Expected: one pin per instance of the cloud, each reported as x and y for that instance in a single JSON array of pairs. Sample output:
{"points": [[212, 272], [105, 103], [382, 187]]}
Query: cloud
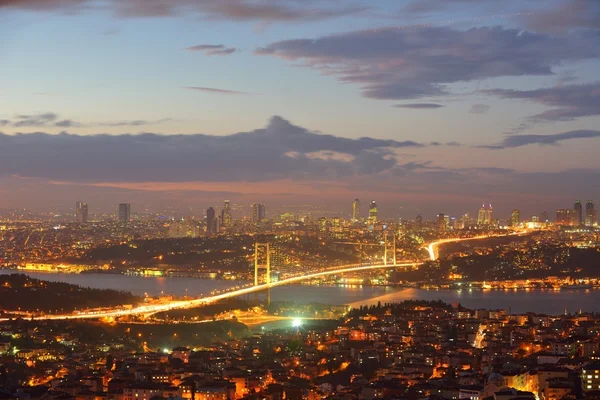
{"points": [[34, 120], [425, 6], [420, 61], [214, 90], [572, 101], [52, 120], [279, 151], [213, 49], [423, 106], [524, 140], [236, 10], [567, 15], [479, 109], [136, 122]]}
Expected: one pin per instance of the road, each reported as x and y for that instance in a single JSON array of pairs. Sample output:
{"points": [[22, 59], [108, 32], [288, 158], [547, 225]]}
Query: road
{"points": [[192, 303], [432, 247]]}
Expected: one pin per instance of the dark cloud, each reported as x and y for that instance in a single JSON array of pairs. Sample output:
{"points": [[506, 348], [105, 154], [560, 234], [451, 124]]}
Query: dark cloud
{"points": [[416, 62], [479, 109], [452, 144], [568, 15], [424, 106], [281, 150], [213, 49], [4, 122], [524, 140], [214, 90], [237, 10], [572, 101]]}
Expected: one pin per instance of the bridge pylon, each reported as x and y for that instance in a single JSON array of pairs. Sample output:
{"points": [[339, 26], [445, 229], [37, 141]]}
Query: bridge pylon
{"points": [[389, 249], [264, 263]]}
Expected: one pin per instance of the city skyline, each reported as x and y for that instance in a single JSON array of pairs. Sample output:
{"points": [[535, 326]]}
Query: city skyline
{"points": [[424, 106]]}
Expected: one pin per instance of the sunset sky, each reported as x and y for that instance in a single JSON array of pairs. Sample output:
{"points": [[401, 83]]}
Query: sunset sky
{"points": [[426, 106]]}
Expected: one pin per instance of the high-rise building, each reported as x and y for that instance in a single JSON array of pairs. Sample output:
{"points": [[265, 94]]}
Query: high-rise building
{"points": [[226, 214], [481, 215], [373, 213], [124, 212], [591, 216], [210, 221], [441, 222], [81, 212], [515, 218], [484, 217], [258, 212], [578, 208], [565, 216], [356, 210]]}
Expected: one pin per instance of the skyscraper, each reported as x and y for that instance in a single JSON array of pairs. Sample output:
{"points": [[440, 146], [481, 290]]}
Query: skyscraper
{"points": [[591, 217], [484, 217], [81, 212], [441, 222], [578, 208], [210, 221], [356, 210], [124, 212], [226, 214], [515, 217], [373, 213], [481, 215], [258, 212]]}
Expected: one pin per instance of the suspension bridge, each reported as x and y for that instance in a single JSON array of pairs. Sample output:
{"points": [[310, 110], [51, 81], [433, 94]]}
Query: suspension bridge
{"points": [[260, 263]]}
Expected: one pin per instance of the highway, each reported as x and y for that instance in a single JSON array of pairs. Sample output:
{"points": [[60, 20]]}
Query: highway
{"points": [[431, 248], [191, 303]]}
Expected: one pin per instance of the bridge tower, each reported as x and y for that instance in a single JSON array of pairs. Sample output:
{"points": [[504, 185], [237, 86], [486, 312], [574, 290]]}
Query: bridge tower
{"points": [[389, 249], [264, 263]]}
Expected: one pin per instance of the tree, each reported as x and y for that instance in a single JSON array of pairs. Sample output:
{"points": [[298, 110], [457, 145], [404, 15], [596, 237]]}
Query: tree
{"points": [[110, 362]]}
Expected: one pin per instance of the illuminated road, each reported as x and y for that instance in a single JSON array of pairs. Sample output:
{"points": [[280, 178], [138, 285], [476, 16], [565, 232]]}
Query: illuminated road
{"points": [[431, 248]]}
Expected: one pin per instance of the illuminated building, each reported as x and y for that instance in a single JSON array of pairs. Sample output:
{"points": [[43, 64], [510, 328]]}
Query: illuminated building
{"points": [[590, 377], [124, 212], [81, 212], [373, 213], [441, 222], [565, 216], [484, 217], [578, 217], [356, 210], [323, 224], [591, 216], [515, 217], [258, 212], [226, 214]]}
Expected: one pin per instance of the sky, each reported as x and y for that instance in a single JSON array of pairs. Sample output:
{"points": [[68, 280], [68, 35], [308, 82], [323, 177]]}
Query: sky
{"points": [[425, 106]]}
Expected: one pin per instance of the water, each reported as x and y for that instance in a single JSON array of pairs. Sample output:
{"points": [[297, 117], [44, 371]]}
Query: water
{"points": [[540, 301]]}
